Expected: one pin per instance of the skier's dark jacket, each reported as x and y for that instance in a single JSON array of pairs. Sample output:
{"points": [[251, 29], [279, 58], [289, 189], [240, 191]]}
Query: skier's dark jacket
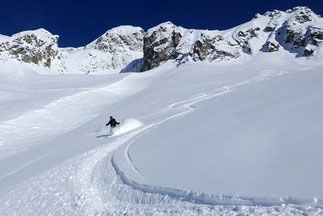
{"points": [[112, 123]]}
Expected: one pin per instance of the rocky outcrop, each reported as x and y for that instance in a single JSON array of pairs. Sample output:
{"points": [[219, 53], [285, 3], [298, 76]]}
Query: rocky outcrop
{"points": [[170, 42], [269, 28], [243, 38], [308, 52], [160, 45], [38, 47], [209, 47], [272, 46], [123, 37], [302, 32], [315, 36]]}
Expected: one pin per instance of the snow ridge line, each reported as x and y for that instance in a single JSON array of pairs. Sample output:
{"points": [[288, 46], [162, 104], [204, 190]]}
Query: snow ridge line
{"points": [[203, 198]]}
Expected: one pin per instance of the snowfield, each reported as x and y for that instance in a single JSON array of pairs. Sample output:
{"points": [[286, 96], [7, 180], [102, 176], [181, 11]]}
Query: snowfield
{"points": [[199, 139], [260, 131]]}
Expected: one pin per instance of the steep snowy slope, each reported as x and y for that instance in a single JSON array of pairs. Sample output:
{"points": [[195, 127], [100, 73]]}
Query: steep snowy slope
{"points": [[256, 134]]}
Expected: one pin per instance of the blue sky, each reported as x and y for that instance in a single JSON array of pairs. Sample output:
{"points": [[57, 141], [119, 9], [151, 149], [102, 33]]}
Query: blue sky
{"points": [[80, 22]]}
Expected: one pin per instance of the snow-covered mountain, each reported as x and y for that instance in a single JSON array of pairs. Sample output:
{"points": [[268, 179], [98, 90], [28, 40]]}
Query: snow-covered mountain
{"points": [[298, 32], [38, 47], [110, 53], [236, 129]]}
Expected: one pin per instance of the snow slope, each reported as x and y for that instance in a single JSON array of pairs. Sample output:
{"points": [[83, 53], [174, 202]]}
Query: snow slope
{"points": [[198, 139], [38, 109], [252, 137]]}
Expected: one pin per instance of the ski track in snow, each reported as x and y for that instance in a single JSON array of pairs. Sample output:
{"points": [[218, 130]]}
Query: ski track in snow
{"points": [[92, 183]]}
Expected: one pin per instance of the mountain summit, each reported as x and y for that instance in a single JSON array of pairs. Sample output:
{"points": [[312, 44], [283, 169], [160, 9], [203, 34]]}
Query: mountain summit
{"points": [[297, 32]]}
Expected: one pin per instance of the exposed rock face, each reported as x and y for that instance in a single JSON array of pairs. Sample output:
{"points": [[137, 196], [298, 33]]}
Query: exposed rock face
{"points": [[119, 38], [243, 38], [301, 32], [308, 52], [302, 14], [160, 45], [269, 28], [38, 47], [202, 48], [213, 48], [169, 42], [314, 36], [272, 46]]}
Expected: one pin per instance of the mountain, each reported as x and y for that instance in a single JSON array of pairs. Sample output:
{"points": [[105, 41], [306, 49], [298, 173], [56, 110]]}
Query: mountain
{"points": [[298, 32], [110, 53], [38, 47]]}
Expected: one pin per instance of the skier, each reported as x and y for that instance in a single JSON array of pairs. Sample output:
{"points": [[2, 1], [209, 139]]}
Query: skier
{"points": [[113, 123]]}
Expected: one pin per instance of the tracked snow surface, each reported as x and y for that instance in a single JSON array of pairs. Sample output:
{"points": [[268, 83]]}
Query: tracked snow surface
{"points": [[200, 139], [240, 137]]}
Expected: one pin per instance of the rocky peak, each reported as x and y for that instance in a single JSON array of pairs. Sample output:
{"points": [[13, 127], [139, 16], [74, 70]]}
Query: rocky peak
{"points": [[170, 42], [38, 47], [119, 37], [302, 14], [110, 53], [271, 14], [160, 43], [300, 31]]}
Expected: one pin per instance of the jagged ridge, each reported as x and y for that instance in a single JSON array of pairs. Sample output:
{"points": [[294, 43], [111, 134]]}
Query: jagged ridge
{"points": [[297, 31], [126, 48]]}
